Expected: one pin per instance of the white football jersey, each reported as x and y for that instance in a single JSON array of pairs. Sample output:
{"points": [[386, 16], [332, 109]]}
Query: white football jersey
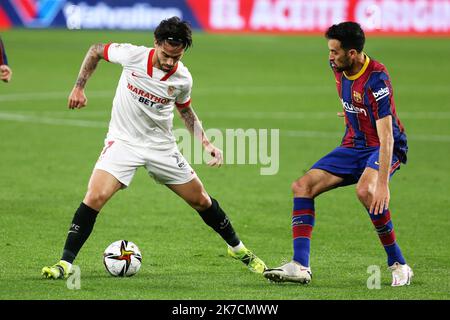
{"points": [[142, 112]]}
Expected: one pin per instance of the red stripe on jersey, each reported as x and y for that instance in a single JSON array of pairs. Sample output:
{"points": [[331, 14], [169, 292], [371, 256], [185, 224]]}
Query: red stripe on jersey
{"points": [[354, 103], [304, 231], [303, 212], [370, 133], [364, 119], [373, 102], [338, 79], [183, 105], [348, 141], [105, 52], [393, 109], [171, 72], [150, 63], [374, 140]]}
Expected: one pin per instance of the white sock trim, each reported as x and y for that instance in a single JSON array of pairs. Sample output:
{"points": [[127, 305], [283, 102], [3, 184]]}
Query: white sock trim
{"points": [[68, 263], [237, 248]]}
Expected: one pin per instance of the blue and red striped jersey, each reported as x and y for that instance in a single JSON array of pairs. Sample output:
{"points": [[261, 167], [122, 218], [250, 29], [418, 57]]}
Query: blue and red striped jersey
{"points": [[3, 59], [367, 97]]}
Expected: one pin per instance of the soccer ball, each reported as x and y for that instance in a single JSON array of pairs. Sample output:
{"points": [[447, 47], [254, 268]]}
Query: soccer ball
{"points": [[122, 258]]}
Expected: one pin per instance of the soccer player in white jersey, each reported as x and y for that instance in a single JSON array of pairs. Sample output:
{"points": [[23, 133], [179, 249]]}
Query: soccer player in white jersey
{"points": [[154, 81]]}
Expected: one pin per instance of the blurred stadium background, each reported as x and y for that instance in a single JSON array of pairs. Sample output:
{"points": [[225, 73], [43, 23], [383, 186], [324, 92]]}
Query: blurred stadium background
{"points": [[256, 64]]}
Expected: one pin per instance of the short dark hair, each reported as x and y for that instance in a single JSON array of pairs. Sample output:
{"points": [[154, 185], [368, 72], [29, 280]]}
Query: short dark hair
{"points": [[175, 32], [350, 34]]}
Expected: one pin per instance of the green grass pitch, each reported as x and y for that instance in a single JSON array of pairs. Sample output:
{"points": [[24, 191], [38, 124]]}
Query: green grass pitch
{"points": [[284, 82]]}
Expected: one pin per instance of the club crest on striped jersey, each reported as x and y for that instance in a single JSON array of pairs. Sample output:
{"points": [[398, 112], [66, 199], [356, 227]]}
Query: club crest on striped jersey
{"points": [[170, 90], [357, 96]]}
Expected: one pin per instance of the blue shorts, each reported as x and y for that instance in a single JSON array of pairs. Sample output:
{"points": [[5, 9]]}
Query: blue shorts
{"points": [[350, 163]]}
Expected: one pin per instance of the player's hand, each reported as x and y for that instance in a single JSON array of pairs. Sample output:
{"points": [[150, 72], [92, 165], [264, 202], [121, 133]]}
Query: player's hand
{"points": [[217, 155], [380, 200], [6, 73], [77, 98], [341, 114]]}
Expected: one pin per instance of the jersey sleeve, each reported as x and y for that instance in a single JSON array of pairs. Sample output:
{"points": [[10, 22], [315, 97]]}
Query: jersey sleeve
{"points": [[183, 100], [382, 99], [121, 53]]}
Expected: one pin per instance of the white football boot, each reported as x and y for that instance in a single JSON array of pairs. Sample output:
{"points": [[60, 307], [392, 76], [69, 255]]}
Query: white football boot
{"points": [[401, 274], [289, 272]]}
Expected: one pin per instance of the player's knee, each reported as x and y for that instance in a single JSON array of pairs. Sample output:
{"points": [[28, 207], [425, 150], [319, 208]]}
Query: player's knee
{"points": [[301, 188], [96, 199], [363, 193], [202, 202]]}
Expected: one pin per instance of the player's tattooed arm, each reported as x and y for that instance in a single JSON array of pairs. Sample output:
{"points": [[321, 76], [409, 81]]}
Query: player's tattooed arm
{"points": [[77, 98], [93, 56], [194, 125]]}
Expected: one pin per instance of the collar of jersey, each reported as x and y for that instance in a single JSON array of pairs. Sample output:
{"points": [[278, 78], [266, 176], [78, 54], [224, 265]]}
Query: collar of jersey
{"points": [[363, 69], [150, 67]]}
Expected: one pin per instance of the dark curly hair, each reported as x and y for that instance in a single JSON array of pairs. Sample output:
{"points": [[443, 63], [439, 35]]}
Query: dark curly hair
{"points": [[349, 34], [175, 31]]}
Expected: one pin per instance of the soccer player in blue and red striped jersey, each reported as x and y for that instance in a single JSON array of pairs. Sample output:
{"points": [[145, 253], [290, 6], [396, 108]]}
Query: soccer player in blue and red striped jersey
{"points": [[372, 149], [5, 70]]}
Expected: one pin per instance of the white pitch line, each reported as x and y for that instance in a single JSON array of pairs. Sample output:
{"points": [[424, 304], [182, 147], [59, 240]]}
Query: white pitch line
{"points": [[52, 121], [285, 133], [34, 96]]}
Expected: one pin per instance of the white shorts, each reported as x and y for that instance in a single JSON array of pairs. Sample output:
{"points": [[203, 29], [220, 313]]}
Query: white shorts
{"points": [[165, 166]]}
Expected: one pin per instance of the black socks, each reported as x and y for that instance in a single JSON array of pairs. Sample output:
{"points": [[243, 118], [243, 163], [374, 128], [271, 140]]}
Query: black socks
{"points": [[80, 229], [84, 220], [218, 220]]}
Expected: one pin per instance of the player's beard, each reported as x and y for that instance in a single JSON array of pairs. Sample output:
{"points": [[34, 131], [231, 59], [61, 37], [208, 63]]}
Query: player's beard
{"points": [[347, 65], [164, 67]]}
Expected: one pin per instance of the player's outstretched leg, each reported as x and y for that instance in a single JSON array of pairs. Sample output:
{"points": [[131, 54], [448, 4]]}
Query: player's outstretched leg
{"points": [[313, 183], [102, 186], [213, 215], [216, 218], [80, 229]]}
